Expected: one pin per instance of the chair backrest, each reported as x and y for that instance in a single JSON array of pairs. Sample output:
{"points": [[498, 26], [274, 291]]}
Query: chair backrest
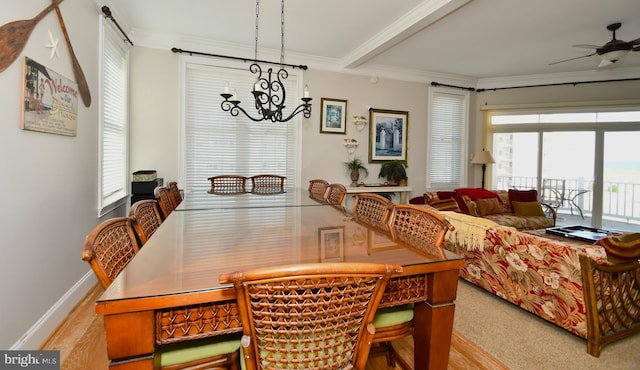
{"points": [[174, 191], [336, 195], [309, 315], [267, 184], [145, 218], [373, 210], [163, 196], [228, 184], [419, 227], [318, 189], [109, 247], [553, 192]]}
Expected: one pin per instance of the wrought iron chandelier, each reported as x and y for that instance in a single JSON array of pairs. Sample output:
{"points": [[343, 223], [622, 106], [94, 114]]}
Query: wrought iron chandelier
{"points": [[268, 90]]}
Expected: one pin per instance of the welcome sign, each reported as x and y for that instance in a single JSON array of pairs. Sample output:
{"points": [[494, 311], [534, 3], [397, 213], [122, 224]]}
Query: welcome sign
{"points": [[50, 101]]}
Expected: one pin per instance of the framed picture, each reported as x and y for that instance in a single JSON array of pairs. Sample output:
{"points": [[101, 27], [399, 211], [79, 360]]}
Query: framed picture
{"points": [[388, 135], [331, 242], [378, 242], [333, 116]]}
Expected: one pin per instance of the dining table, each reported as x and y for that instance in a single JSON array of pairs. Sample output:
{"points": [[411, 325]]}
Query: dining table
{"points": [[170, 291]]}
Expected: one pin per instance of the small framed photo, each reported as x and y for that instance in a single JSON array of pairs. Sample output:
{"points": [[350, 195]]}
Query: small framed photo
{"points": [[331, 242], [388, 135], [333, 116]]}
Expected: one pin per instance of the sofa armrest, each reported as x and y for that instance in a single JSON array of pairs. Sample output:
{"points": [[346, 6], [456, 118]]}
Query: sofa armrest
{"points": [[550, 212]]}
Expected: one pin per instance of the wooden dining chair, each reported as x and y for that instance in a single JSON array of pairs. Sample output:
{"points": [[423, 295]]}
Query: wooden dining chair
{"points": [[318, 189], [228, 184], [335, 196], [372, 210], [267, 184], [419, 228], [163, 196], [109, 247], [305, 316], [174, 191], [145, 218]]}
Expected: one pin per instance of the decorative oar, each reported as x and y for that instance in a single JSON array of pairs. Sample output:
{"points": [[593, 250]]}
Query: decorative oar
{"points": [[77, 70], [14, 36]]}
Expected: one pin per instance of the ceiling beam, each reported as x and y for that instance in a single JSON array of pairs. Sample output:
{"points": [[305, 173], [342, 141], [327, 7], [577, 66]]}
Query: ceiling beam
{"points": [[425, 14]]}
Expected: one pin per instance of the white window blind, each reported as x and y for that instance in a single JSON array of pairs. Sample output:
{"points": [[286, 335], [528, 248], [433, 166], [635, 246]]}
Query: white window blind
{"points": [[114, 123], [216, 143], [446, 141]]}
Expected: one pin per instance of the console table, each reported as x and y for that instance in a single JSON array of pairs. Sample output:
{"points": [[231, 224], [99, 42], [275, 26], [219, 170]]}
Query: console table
{"points": [[403, 190]]}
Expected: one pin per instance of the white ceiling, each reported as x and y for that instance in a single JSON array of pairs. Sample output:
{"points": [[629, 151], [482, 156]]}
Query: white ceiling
{"points": [[471, 40]]}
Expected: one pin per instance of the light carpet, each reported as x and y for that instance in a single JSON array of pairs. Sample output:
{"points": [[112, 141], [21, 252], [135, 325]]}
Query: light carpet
{"points": [[522, 340]]}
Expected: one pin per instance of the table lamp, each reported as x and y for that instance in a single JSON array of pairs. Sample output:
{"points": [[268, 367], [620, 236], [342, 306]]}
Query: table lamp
{"points": [[484, 158]]}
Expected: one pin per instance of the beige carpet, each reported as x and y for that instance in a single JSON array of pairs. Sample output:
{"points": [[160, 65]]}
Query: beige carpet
{"points": [[521, 340]]}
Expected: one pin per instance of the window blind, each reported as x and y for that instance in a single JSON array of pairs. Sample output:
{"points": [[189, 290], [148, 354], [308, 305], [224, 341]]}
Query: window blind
{"points": [[114, 125], [216, 143], [446, 157]]}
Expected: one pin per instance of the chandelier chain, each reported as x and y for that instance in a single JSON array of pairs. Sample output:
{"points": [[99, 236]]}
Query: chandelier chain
{"points": [[255, 52], [282, 33]]}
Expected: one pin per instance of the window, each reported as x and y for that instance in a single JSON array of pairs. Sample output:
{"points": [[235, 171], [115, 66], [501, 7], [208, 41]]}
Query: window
{"points": [[114, 120], [217, 143], [447, 139]]}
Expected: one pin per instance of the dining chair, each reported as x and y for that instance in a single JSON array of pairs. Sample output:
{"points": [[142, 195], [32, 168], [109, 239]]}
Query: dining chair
{"points": [[318, 189], [163, 196], [373, 210], [419, 228], [316, 315], [174, 191], [145, 218], [218, 352], [335, 196], [228, 184], [109, 247], [267, 184]]}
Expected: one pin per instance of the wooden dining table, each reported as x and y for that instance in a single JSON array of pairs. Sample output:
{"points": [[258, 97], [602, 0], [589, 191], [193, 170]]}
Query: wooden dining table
{"points": [[170, 291]]}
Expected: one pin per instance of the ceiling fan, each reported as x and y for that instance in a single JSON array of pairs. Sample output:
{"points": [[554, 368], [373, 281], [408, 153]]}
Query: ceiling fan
{"points": [[610, 52]]}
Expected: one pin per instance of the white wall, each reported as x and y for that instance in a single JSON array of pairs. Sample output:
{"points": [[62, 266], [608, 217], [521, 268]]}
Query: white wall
{"points": [[49, 183]]}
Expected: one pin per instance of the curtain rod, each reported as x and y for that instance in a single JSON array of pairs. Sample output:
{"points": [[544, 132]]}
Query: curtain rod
{"points": [[107, 13], [176, 50], [433, 83]]}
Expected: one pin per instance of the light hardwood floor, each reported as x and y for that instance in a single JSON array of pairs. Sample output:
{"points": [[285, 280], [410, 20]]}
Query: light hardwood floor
{"points": [[82, 344]]}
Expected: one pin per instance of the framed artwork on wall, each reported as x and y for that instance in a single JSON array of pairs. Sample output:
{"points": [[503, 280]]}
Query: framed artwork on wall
{"points": [[388, 135], [331, 243], [333, 116]]}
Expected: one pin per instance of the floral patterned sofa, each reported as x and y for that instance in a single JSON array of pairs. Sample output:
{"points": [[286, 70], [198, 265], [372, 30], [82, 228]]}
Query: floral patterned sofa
{"points": [[514, 208], [538, 274]]}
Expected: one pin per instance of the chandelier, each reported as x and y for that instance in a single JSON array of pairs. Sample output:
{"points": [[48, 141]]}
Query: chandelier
{"points": [[268, 90]]}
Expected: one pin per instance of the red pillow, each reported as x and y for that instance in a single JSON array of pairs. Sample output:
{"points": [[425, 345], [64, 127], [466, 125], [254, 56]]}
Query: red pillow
{"points": [[522, 196], [457, 196], [477, 193]]}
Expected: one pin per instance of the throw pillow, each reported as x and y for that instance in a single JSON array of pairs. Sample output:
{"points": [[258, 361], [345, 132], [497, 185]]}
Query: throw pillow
{"points": [[527, 208], [445, 205], [477, 193], [622, 247], [488, 206], [522, 196], [457, 196]]}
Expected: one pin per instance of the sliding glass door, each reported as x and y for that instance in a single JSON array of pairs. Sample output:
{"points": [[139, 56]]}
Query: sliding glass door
{"points": [[621, 178]]}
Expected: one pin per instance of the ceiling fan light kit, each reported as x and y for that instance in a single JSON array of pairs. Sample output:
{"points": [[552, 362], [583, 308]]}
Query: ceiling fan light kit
{"points": [[610, 52]]}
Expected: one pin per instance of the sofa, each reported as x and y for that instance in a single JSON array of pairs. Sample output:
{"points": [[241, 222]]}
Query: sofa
{"points": [[538, 274], [520, 209]]}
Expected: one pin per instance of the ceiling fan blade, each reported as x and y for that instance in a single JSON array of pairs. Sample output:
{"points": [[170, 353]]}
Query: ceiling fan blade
{"points": [[586, 46], [566, 60]]}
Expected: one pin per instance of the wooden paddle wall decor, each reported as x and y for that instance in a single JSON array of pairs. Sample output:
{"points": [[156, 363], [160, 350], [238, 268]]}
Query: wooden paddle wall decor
{"points": [[14, 37]]}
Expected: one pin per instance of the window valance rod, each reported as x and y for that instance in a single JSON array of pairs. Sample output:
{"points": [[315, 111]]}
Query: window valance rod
{"points": [[560, 84], [107, 13], [190, 52], [436, 84]]}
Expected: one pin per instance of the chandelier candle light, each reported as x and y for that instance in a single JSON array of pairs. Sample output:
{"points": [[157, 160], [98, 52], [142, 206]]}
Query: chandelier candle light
{"points": [[268, 90]]}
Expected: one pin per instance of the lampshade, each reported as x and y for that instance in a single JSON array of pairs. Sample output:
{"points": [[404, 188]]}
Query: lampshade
{"points": [[614, 56], [483, 157]]}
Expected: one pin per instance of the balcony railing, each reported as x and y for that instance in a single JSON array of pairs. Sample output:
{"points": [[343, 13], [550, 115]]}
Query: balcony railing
{"points": [[620, 203]]}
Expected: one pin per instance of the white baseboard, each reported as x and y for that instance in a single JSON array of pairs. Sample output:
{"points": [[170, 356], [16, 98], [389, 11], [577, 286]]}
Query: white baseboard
{"points": [[42, 329]]}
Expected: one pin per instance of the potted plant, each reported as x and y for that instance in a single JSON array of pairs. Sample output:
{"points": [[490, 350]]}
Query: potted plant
{"points": [[394, 172], [356, 168]]}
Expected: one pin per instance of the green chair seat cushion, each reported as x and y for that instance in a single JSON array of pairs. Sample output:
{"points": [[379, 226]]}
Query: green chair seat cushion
{"points": [[390, 316], [177, 353]]}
